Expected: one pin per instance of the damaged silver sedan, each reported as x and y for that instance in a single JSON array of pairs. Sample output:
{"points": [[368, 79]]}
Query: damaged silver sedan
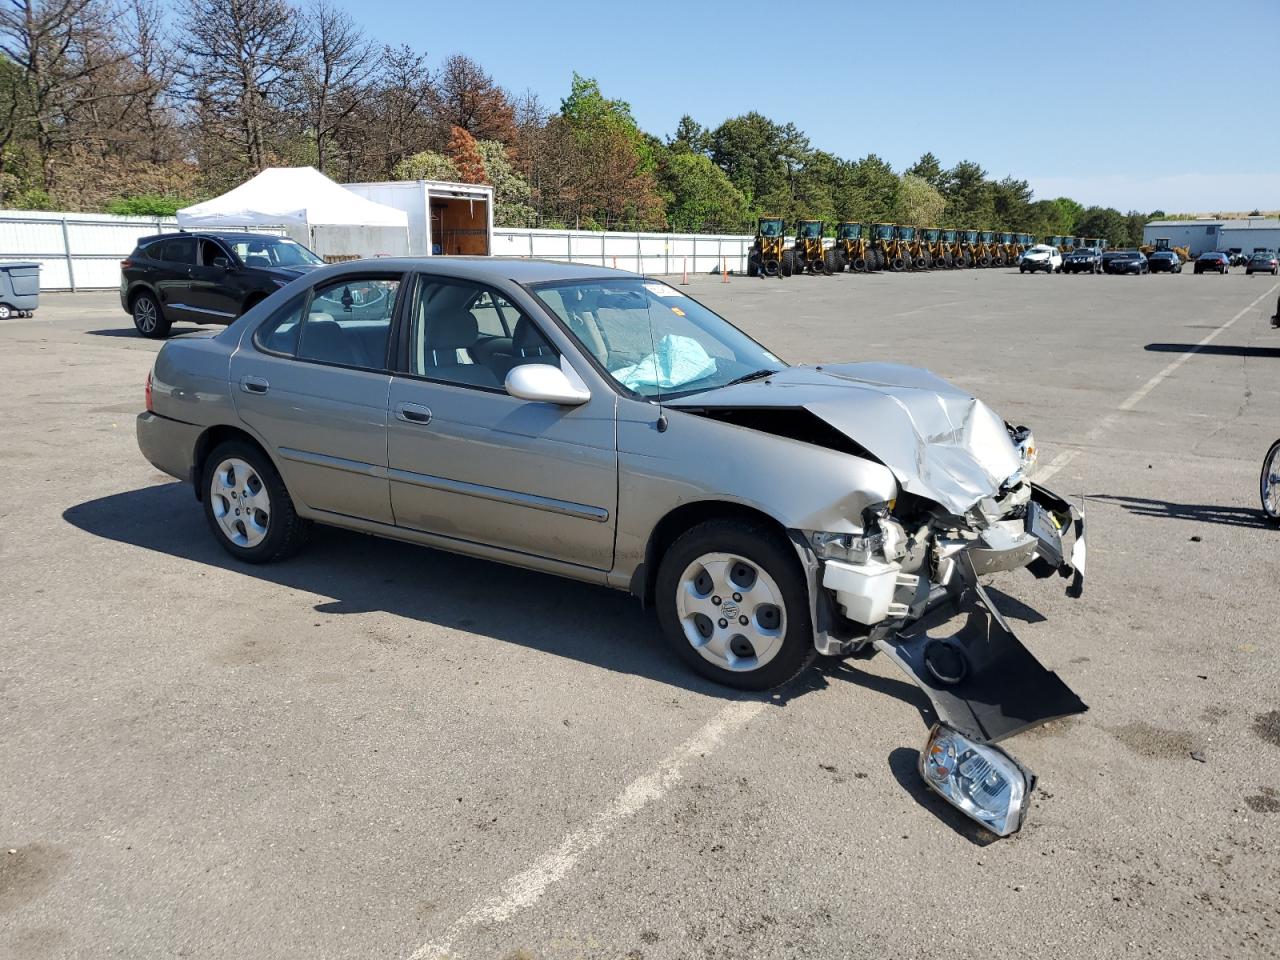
{"points": [[606, 427]]}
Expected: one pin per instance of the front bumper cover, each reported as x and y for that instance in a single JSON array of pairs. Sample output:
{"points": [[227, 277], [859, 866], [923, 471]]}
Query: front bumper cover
{"points": [[979, 677]]}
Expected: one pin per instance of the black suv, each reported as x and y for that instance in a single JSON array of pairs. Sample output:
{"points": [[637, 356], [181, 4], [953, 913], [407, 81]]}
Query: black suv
{"points": [[1082, 260], [205, 277]]}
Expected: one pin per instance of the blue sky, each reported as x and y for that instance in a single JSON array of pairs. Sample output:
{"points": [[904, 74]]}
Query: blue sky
{"points": [[1139, 105]]}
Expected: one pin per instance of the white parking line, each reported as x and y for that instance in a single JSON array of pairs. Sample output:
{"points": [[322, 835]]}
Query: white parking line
{"points": [[525, 888], [1135, 398]]}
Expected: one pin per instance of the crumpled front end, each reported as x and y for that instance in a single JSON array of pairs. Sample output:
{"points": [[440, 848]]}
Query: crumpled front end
{"points": [[909, 587]]}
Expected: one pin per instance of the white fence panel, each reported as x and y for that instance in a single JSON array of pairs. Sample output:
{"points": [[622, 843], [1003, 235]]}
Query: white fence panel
{"points": [[82, 251]]}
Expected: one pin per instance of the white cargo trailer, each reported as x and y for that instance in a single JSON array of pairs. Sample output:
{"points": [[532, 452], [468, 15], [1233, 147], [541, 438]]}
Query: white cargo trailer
{"points": [[445, 219]]}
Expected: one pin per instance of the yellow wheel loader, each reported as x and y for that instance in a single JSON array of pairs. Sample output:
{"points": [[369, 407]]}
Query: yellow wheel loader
{"points": [[767, 256]]}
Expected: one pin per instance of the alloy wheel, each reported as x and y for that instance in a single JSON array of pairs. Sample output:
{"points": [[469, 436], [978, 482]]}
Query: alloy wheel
{"points": [[145, 314], [731, 611]]}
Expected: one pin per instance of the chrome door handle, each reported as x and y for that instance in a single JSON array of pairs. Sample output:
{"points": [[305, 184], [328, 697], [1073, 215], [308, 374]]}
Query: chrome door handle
{"points": [[254, 385], [413, 413]]}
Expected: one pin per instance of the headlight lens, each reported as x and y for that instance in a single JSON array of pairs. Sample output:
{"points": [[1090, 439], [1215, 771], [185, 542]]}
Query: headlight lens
{"points": [[1025, 443], [978, 779], [852, 547]]}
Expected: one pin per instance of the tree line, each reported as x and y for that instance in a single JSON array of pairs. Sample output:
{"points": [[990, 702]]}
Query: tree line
{"points": [[137, 106]]}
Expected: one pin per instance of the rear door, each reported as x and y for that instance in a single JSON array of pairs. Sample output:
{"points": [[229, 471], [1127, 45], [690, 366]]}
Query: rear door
{"points": [[175, 257], [312, 380], [212, 290], [469, 461]]}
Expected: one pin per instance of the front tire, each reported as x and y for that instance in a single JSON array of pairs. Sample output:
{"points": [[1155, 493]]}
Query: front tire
{"points": [[1269, 484], [149, 319], [732, 600], [247, 505]]}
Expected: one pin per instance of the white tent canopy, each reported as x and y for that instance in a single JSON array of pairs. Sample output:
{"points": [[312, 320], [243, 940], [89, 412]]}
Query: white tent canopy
{"points": [[291, 197]]}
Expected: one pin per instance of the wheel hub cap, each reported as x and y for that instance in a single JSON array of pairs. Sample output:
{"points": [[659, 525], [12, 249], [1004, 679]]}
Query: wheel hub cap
{"points": [[240, 503], [731, 611]]}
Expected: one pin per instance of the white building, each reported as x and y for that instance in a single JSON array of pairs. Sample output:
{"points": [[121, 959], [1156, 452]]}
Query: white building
{"points": [[1210, 234]]}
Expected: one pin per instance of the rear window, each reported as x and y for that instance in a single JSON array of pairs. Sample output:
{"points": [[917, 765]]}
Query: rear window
{"points": [[179, 250]]}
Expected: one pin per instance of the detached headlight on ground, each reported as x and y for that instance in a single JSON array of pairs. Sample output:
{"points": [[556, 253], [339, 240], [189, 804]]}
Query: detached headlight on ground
{"points": [[978, 779]]}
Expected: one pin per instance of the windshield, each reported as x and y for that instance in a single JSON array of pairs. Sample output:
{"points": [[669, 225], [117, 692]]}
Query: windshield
{"points": [[274, 252], [652, 339], [850, 231], [771, 228], [811, 231]]}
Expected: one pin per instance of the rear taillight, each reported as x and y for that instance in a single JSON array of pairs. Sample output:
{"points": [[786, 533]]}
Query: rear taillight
{"points": [[126, 263], [150, 408]]}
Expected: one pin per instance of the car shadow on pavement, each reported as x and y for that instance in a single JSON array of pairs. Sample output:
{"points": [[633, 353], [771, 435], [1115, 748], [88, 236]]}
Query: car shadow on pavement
{"points": [[361, 573], [1201, 512], [1216, 350]]}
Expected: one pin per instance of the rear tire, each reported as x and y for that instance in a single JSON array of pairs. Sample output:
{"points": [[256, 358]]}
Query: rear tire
{"points": [[721, 560], [753, 266], [149, 318], [788, 262], [247, 505]]}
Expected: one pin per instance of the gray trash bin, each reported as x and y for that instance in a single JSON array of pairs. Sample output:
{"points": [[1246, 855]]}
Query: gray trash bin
{"points": [[19, 289]]}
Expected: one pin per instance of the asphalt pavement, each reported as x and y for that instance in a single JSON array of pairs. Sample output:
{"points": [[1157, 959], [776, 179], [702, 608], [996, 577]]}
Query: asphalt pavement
{"points": [[379, 750]]}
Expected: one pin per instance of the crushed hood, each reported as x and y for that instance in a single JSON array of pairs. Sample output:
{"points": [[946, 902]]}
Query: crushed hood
{"points": [[939, 442]]}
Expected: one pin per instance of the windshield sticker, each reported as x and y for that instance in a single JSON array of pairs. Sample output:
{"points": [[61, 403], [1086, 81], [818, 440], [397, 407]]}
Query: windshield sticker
{"points": [[677, 311], [662, 290]]}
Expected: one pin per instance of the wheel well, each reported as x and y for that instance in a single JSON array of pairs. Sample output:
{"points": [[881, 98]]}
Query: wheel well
{"points": [[669, 529], [138, 290], [208, 441]]}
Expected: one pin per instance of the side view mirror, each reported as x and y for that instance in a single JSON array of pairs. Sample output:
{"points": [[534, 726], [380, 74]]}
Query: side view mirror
{"points": [[222, 262], [544, 383]]}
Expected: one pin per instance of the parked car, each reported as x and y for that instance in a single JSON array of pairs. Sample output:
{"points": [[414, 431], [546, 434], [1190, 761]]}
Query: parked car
{"points": [[1164, 261], [1212, 260], [1082, 260], [205, 277], [1040, 257], [1125, 261], [1262, 263], [608, 428]]}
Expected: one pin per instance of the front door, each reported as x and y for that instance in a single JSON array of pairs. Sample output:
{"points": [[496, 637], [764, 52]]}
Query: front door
{"points": [[312, 381], [470, 462]]}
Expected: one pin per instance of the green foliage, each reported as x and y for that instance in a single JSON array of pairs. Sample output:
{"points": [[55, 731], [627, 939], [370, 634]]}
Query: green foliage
{"points": [[699, 196], [690, 136], [969, 195], [427, 165], [147, 205], [919, 204], [760, 157], [511, 192], [1105, 222], [872, 194], [927, 168], [1071, 212]]}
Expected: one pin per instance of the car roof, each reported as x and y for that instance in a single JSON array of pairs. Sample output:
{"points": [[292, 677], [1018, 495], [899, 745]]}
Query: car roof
{"points": [[218, 234], [481, 268]]}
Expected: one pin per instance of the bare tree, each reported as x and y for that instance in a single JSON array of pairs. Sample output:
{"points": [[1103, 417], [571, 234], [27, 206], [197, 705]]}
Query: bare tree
{"points": [[340, 63], [60, 49], [403, 93], [467, 97], [240, 65]]}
